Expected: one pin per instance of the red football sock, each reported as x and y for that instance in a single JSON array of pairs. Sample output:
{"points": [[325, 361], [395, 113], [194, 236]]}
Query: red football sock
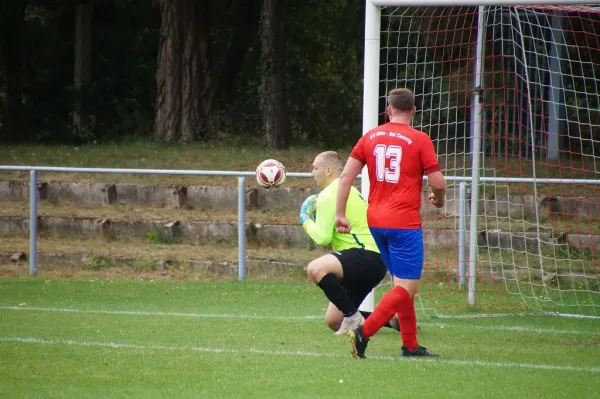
{"points": [[408, 324], [390, 304]]}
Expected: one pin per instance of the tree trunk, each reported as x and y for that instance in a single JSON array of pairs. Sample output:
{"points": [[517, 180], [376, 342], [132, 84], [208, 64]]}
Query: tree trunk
{"points": [[3, 94], [82, 69], [12, 58], [185, 89], [276, 119]]}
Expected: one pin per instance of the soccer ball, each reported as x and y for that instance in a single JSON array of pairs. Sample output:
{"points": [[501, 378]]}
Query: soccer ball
{"points": [[270, 173]]}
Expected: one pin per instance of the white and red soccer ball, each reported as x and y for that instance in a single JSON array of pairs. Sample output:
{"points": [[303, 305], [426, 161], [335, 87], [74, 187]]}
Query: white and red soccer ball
{"points": [[270, 173]]}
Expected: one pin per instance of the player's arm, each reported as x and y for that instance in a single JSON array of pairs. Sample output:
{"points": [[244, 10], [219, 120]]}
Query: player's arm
{"points": [[432, 169], [321, 229], [351, 170], [438, 187]]}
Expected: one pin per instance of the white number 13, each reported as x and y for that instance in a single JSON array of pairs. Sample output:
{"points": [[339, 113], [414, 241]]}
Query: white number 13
{"points": [[382, 152]]}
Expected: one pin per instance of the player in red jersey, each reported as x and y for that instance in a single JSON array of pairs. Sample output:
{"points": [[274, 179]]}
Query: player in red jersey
{"points": [[397, 156]]}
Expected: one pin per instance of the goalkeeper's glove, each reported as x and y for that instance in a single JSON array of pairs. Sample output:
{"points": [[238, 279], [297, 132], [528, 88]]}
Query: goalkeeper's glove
{"points": [[308, 209]]}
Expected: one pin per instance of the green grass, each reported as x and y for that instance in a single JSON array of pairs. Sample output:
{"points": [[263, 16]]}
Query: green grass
{"points": [[522, 266], [240, 157], [258, 339], [566, 283], [199, 156]]}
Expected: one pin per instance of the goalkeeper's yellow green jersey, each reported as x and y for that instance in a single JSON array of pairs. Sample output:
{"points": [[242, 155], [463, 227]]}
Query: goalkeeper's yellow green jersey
{"points": [[322, 230]]}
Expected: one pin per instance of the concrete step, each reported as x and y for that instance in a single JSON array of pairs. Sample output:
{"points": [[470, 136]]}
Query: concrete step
{"points": [[59, 256], [152, 195], [556, 225], [292, 235], [281, 199], [134, 212], [130, 258]]}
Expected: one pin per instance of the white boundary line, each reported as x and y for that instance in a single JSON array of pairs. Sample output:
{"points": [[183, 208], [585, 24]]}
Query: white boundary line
{"points": [[453, 362], [486, 316], [170, 314], [289, 318]]}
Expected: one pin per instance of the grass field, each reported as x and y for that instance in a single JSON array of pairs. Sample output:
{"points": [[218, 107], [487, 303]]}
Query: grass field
{"points": [[240, 157], [201, 156], [99, 330], [105, 338]]}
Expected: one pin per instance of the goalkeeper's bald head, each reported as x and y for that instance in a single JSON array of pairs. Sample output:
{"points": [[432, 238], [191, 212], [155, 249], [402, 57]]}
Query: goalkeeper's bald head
{"points": [[333, 160], [327, 167]]}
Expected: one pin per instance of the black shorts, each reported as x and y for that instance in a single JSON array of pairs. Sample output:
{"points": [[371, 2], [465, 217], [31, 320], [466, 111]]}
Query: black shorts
{"points": [[363, 271]]}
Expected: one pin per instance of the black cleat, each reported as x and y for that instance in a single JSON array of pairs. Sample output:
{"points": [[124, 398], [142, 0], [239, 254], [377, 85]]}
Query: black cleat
{"points": [[421, 351], [358, 342]]}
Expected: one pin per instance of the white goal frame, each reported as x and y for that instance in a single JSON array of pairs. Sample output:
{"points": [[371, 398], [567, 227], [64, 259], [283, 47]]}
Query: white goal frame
{"points": [[372, 44]]}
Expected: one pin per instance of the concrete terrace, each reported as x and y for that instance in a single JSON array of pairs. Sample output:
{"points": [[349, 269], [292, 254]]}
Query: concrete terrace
{"points": [[198, 224]]}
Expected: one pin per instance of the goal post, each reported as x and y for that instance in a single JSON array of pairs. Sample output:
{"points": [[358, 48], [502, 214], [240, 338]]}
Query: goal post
{"points": [[508, 92], [370, 117]]}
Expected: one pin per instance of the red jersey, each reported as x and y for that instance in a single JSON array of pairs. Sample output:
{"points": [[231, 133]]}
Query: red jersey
{"points": [[397, 156]]}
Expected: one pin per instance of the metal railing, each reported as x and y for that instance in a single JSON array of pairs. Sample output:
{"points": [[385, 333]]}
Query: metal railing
{"points": [[33, 199], [241, 217]]}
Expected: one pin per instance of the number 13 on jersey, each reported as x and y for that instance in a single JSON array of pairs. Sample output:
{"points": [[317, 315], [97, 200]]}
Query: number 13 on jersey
{"points": [[390, 173]]}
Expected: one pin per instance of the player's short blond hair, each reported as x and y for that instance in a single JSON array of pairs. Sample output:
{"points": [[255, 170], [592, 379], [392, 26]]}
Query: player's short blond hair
{"points": [[332, 160], [401, 99]]}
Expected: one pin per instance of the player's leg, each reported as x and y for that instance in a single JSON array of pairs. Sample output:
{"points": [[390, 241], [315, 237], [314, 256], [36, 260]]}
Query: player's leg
{"points": [[405, 264], [320, 267], [407, 247], [327, 273], [358, 341], [363, 275], [362, 270], [333, 317], [382, 313], [393, 323]]}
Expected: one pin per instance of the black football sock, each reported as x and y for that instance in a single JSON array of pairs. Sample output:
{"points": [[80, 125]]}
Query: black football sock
{"points": [[335, 292], [367, 314]]}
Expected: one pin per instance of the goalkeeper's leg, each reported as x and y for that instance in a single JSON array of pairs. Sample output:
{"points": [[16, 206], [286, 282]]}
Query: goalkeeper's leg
{"points": [[363, 271], [364, 277], [327, 273]]}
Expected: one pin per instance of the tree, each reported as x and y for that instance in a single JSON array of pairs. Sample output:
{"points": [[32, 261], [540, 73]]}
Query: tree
{"points": [[200, 56], [82, 67], [182, 77], [12, 22], [275, 115]]}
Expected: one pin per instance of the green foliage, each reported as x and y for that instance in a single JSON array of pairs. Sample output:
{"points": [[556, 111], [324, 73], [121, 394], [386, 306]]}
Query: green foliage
{"points": [[323, 72], [95, 263], [144, 264], [158, 237], [124, 64], [41, 96]]}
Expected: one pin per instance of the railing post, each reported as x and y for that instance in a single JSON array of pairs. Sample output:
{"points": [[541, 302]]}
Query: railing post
{"points": [[242, 228], [33, 225], [462, 232]]}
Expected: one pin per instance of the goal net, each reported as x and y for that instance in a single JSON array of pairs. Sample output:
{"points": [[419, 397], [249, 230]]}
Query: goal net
{"points": [[535, 68]]}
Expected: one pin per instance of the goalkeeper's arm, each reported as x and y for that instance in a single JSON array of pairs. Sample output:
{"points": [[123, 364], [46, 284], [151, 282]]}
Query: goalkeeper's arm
{"points": [[321, 229]]}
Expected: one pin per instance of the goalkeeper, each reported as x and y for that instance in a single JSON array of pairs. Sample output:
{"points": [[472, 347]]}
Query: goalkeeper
{"points": [[354, 268]]}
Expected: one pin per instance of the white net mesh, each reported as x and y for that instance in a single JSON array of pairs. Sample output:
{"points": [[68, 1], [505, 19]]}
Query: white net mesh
{"points": [[538, 242]]}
